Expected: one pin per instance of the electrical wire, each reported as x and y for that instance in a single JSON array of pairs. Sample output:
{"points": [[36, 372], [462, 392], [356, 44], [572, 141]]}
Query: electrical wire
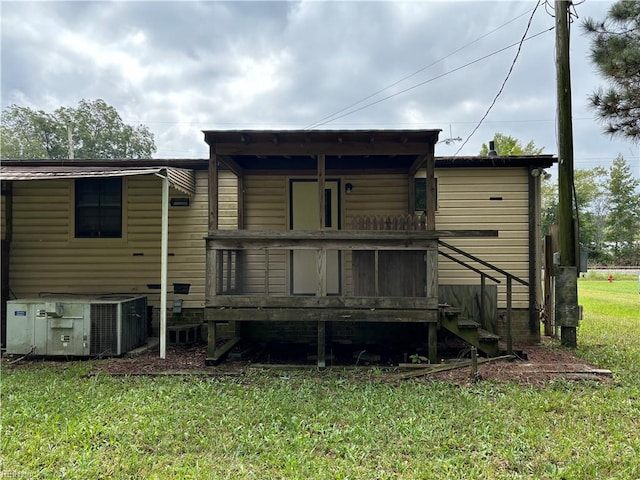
{"points": [[432, 79], [513, 64], [422, 69]]}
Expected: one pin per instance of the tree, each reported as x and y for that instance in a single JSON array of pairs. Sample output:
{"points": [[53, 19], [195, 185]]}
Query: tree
{"points": [[507, 145], [590, 196], [615, 51], [92, 130], [623, 222]]}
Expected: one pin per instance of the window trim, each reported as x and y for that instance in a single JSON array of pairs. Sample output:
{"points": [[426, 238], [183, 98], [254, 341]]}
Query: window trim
{"points": [[74, 209], [422, 180]]}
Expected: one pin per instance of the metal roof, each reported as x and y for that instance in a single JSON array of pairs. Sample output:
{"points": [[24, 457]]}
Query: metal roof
{"points": [[180, 179]]}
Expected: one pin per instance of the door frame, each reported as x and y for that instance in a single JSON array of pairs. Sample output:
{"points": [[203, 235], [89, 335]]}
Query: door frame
{"points": [[289, 258]]}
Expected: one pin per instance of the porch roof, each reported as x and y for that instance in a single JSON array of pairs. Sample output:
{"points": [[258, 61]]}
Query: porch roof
{"points": [[382, 150], [180, 179], [298, 149]]}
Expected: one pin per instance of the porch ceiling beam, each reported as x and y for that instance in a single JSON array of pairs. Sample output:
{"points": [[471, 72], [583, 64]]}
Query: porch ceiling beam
{"points": [[268, 148], [231, 164], [417, 164]]}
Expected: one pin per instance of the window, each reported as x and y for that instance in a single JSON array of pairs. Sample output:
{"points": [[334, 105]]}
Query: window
{"points": [[421, 194], [99, 208]]}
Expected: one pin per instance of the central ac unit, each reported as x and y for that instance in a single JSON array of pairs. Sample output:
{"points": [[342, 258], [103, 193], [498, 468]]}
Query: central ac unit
{"points": [[105, 325]]}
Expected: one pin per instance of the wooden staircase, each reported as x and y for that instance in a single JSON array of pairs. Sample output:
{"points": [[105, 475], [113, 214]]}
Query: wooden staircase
{"points": [[470, 331]]}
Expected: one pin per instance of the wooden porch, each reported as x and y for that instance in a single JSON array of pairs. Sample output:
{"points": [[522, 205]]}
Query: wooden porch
{"points": [[387, 267], [374, 294]]}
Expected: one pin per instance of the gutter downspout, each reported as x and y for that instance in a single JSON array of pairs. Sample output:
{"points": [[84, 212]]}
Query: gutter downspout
{"points": [[164, 256]]}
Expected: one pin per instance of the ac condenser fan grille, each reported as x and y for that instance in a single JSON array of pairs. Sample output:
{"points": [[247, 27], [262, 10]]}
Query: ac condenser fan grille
{"points": [[104, 329]]}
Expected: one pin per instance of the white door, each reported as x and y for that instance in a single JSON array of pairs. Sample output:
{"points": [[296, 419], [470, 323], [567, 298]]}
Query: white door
{"points": [[304, 215]]}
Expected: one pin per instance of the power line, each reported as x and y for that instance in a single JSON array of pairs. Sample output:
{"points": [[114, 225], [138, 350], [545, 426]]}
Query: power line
{"points": [[432, 79], [422, 69], [513, 64]]}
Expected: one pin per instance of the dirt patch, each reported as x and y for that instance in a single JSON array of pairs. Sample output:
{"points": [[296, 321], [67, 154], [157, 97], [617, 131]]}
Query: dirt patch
{"points": [[537, 365]]}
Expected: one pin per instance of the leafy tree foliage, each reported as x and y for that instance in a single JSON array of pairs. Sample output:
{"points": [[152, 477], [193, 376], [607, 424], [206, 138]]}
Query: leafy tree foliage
{"points": [[615, 50], [507, 145], [608, 212], [623, 222], [93, 130]]}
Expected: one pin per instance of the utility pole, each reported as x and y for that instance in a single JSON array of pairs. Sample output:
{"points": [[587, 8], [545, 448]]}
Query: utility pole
{"points": [[566, 277]]}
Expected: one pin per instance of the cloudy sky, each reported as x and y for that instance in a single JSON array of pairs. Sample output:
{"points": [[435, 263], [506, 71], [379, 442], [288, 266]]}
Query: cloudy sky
{"points": [[183, 67]]}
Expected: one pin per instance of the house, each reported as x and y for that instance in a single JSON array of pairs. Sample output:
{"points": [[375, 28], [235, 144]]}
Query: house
{"points": [[326, 238]]}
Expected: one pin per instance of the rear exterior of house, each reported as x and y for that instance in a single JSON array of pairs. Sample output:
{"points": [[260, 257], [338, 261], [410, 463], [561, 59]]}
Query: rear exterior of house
{"points": [[362, 237], [269, 256]]}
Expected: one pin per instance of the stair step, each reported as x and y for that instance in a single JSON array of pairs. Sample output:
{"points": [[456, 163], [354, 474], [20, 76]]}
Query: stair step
{"points": [[467, 323], [485, 336]]}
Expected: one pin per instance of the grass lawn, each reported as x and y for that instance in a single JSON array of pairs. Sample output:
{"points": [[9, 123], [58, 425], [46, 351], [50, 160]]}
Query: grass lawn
{"points": [[59, 423]]}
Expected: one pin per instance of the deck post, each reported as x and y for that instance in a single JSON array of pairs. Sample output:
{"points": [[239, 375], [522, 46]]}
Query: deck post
{"points": [[483, 286], [211, 277], [211, 339], [433, 342], [322, 337], [509, 301], [432, 253], [212, 258], [321, 289]]}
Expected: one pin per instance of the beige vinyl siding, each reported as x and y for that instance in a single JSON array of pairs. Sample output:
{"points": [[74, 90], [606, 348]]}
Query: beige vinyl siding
{"points": [[265, 209], [45, 256], [464, 203], [227, 200]]}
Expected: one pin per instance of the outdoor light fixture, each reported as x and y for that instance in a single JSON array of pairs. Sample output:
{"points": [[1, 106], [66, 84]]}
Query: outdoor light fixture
{"points": [[536, 172], [179, 202], [348, 188]]}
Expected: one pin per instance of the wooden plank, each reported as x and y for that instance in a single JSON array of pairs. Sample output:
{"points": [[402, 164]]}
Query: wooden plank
{"points": [[211, 279], [212, 339], [433, 342], [222, 351], [324, 314], [213, 192], [431, 189], [332, 239], [415, 166], [380, 303], [228, 264], [322, 336], [431, 274], [220, 271], [411, 197], [473, 302], [231, 164], [446, 367], [348, 235], [321, 190], [321, 274], [376, 273]]}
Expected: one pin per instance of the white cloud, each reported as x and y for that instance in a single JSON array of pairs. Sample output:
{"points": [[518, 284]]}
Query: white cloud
{"points": [[180, 67]]}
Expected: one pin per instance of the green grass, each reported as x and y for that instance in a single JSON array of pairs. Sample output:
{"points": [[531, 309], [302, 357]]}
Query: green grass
{"points": [[610, 332], [57, 423]]}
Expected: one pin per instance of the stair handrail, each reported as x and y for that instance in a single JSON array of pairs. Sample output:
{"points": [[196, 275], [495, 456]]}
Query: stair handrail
{"points": [[484, 263], [469, 267], [510, 277]]}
